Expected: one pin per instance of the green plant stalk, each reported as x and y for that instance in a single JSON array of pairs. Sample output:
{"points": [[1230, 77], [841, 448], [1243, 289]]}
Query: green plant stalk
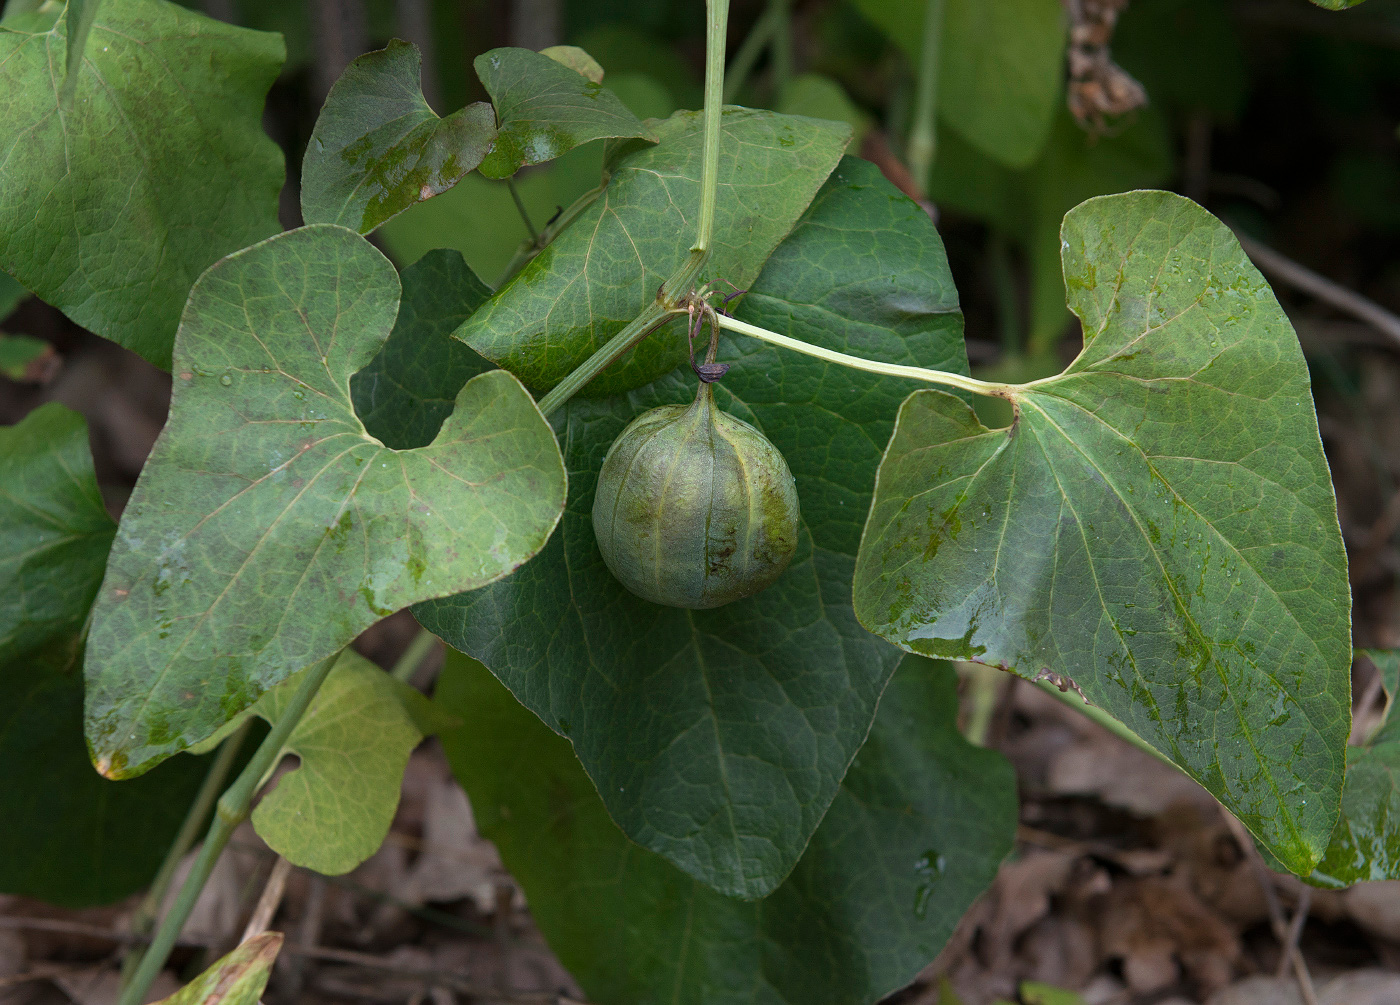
{"points": [[984, 686], [145, 917], [524, 213], [683, 281], [714, 110], [1108, 722], [983, 387], [232, 810], [640, 327], [923, 137], [423, 643], [782, 44]]}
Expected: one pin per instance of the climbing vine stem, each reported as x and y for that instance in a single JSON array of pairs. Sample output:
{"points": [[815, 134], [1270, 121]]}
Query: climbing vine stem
{"points": [[923, 138], [679, 286], [231, 810]]}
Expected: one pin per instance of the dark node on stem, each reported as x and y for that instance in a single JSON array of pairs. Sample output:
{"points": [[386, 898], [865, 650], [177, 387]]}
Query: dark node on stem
{"points": [[558, 212], [709, 372]]}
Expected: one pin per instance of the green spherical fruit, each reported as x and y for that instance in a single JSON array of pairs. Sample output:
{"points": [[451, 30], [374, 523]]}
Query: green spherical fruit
{"points": [[695, 508]]}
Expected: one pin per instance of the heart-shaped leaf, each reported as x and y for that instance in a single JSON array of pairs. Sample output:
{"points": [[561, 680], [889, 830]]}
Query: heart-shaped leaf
{"points": [[111, 208], [599, 274], [268, 528], [333, 810], [544, 108], [718, 738], [1158, 525], [1001, 68], [408, 390], [236, 979], [914, 835], [378, 148]]}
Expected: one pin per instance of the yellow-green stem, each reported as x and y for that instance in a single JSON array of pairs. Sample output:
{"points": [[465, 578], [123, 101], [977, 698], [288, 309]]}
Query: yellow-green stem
{"points": [[683, 280], [957, 380], [144, 918], [423, 644], [232, 810]]}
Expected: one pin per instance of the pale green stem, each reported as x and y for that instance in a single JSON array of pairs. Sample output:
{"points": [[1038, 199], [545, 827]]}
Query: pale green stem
{"points": [[641, 326], [923, 137], [984, 685], [869, 365], [714, 111], [144, 919], [418, 650], [232, 810], [683, 280], [1108, 722], [524, 213]]}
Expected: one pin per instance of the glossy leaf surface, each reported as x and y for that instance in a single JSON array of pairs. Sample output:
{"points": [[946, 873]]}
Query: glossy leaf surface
{"points": [[914, 834], [718, 738], [112, 208], [268, 528], [607, 266], [545, 108], [1158, 524], [378, 148]]}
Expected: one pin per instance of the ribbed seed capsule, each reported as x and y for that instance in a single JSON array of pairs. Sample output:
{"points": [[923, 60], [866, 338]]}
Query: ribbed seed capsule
{"points": [[694, 507]]}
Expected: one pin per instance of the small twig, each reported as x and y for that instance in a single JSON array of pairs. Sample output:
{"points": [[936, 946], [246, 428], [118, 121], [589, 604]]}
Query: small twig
{"points": [[524, 213], [270, 899], [41, 972], [1280, 928], [439, 977], [1279, 266], [77, 928], [1295, 929]]}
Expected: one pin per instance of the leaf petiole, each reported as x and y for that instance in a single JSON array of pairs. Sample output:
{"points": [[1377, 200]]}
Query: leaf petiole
{"points": [[983, 387]]}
